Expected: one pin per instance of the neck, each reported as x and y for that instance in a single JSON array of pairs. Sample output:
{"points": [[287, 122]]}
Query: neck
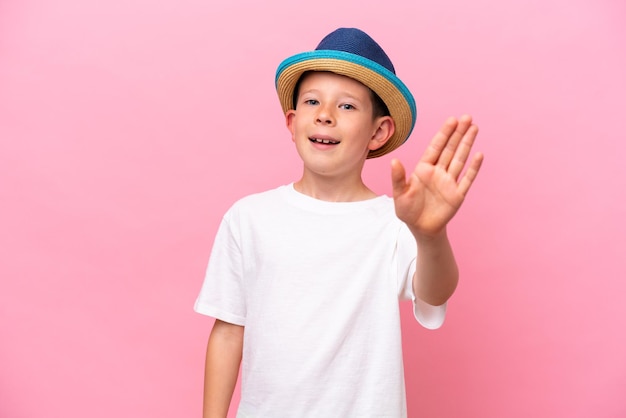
{"points": [[334, 190]]}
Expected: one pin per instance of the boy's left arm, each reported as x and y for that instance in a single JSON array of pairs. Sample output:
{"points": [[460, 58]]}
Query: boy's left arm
{"points": [[428, 200]]}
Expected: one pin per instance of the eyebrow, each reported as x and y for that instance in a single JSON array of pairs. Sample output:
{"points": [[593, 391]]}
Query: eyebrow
{"points": [[343, 94]]}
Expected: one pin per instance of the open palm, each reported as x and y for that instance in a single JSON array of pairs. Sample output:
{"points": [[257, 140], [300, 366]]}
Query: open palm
{"points": [[435, 190]]}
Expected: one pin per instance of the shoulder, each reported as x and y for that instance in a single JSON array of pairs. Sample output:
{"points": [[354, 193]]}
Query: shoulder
{"points": [[265, 197], [256, 202]]}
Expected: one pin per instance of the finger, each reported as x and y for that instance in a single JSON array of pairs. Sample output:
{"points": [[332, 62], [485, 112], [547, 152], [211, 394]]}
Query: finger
{"points": [[449, 150], [471, 173], [398, 177], [462, 152], [437, 144]]}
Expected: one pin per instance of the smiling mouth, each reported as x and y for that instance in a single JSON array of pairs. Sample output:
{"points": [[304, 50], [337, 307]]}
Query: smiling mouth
{"points": [[324, 141]]}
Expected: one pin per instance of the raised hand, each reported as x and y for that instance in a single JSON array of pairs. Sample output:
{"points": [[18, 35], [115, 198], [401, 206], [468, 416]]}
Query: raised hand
{"points": [[435, 190]]}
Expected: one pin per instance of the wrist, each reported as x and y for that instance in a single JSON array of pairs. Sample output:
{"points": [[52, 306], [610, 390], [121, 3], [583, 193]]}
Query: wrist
{"points": [[432, 237]]}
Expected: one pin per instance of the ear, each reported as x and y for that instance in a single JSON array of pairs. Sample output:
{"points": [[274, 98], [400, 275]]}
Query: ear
{"points": [[290, 122], [385, 128]]}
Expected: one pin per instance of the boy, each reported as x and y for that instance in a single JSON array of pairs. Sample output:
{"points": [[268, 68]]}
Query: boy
{"points": [[304, 280]]}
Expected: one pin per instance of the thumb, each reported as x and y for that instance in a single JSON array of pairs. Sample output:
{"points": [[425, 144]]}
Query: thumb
{"points": [[398, 177]]}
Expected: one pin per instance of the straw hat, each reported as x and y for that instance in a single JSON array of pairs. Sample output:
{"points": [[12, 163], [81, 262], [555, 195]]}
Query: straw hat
{"points": [[353, 53]]}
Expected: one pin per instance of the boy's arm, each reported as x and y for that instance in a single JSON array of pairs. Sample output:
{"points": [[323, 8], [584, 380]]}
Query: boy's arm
{"points": [[436, 272], [223, 359], [428, 200]]}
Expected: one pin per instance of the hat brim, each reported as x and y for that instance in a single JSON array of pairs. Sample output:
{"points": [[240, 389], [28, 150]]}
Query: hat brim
{"points": [[383, 82]]}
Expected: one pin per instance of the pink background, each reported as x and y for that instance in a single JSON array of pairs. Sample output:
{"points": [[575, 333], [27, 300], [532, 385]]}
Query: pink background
{"points": [[128, 127]]}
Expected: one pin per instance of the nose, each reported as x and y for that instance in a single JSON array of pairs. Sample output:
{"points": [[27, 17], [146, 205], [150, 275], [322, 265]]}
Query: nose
{"points": [[324, 116]]}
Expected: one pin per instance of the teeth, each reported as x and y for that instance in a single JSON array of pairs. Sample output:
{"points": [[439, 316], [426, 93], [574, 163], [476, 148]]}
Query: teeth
{"points": [[324, 141]]}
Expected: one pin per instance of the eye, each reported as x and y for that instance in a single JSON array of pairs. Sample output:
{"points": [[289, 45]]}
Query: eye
{"points": [[347, 106], [311, 102]]}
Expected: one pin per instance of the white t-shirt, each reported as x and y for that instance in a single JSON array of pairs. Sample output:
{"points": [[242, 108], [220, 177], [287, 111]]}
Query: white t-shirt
{"points": [[316, 285]]}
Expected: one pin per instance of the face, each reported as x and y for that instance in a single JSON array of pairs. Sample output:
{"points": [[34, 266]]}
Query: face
{"points": [[333, 125]]}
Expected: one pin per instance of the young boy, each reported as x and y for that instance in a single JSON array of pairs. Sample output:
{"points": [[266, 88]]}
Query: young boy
{"points": [[304, 280]]}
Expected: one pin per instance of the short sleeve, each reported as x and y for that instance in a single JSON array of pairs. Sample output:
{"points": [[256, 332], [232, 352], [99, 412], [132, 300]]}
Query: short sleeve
{"points": [[221, 295], [428, 316]]}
